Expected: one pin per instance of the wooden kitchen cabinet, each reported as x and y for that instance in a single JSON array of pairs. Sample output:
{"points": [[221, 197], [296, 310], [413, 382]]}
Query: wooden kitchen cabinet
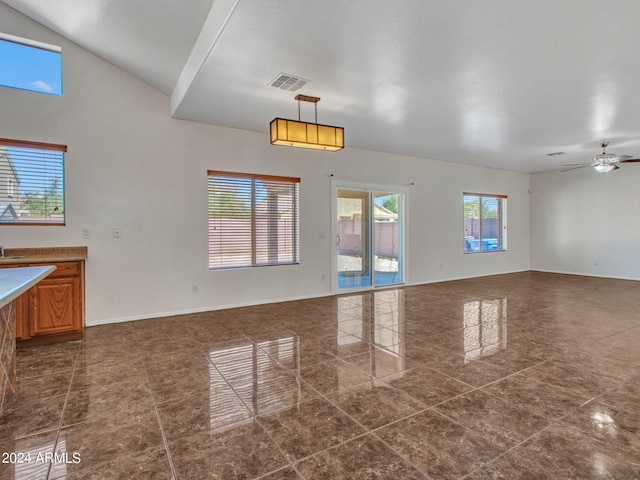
{"points": [[53, 310]]}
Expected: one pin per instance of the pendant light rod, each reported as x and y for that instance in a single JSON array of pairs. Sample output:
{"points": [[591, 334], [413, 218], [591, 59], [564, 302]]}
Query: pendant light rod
{"points": [[310, 99]]}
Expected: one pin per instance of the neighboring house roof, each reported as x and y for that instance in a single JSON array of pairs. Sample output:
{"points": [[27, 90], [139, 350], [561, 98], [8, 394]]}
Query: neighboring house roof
{"points": [[348, 207], [7, 212], [381, 213], [4, 154]]}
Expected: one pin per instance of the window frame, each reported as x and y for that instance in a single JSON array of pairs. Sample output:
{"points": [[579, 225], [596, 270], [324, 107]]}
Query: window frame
{"points": [[254, 242], [43, 147], [501, 228], [37, 45]]}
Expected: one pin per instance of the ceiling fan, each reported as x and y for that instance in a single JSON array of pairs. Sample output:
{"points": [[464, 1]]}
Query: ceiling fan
{"points": [[603, 162]]}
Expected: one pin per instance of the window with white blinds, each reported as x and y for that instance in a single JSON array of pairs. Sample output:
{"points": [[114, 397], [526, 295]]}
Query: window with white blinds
{"points": [[31, 183], [253, 220]]}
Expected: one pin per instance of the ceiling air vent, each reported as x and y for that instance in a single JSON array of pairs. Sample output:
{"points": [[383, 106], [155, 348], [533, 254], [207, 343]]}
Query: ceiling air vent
{"points": [[291, 83]]}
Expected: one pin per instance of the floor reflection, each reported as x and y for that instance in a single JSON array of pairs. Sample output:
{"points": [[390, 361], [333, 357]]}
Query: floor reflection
{"points": [[485, 328], [604, 421], [374, 321], [34, 462], [255, 373]]}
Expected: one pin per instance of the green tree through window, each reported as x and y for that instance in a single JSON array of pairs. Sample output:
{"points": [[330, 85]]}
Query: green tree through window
{"points": [[391, 203], [51, 202]]}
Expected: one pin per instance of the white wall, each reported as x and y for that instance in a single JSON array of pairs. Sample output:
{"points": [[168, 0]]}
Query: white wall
{"points": [[130, 165], [587, 223]]}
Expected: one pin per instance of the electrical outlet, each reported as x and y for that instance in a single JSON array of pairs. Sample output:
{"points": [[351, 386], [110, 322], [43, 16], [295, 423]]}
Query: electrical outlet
{"points": [[85, 233], [194, 288], [116, 232]]}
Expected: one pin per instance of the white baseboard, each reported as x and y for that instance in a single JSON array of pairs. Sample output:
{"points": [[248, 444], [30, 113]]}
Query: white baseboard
{"points": [[580, 274], [451, 279], [199, 310], [290, 299]]}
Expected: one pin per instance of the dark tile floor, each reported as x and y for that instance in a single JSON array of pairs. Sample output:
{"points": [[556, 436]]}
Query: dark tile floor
{"points": [[520, 376]]}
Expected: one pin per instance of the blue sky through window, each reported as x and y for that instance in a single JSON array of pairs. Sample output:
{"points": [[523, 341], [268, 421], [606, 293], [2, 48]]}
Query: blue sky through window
{"points": [[242, 188], [30, 68]]}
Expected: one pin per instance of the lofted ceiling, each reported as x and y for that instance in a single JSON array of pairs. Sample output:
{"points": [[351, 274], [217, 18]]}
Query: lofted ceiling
{"points": [[497, 83]]}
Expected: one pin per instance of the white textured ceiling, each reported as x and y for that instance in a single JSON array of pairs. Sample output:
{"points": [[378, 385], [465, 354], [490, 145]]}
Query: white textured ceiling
{"points": [[498, 83], [151, 39]]}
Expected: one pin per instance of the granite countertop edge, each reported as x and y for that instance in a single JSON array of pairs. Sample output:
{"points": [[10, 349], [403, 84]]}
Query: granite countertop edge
{"points": [[17, 256]]}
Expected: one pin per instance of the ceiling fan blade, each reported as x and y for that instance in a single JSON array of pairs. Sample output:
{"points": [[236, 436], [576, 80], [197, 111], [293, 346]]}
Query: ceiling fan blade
{"points": [[575, 168], [576, 164], [623, 157], [630, 160]]}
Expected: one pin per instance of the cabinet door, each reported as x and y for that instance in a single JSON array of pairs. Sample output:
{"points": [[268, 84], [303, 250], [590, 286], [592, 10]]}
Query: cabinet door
{"points": [[54, 306], [22, 317]]}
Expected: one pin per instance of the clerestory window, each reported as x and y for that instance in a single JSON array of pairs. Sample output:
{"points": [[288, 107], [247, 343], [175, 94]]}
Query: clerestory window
{"points": [[30, 65]]}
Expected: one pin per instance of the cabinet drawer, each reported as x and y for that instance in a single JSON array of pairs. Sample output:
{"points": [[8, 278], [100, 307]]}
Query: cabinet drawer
{"points": [[63, 269]]}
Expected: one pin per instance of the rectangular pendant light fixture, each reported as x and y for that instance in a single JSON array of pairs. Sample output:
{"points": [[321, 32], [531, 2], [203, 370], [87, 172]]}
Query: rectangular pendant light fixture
{"points": [[296, 133]]}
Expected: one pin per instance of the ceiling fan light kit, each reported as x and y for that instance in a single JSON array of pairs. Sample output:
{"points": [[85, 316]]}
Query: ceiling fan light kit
{"points": [[604, 162], [605, 167], [296, 133]]}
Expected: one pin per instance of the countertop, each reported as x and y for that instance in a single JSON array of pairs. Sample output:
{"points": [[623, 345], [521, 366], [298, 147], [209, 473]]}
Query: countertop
{"points": [[15, 281], [16, 256]]}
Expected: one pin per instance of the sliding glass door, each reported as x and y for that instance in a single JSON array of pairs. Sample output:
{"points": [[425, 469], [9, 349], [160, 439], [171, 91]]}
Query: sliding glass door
{"points": [[353, 239], [386, 238], [368, 238]]}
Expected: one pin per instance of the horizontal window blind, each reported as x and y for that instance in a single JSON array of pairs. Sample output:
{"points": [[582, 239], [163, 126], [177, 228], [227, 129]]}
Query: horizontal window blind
{"points": [[253, 220], [31, 183]]}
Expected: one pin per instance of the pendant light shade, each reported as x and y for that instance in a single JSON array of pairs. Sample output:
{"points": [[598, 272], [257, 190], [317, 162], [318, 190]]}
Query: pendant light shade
{"points": [[292, 133], [296, 133]]}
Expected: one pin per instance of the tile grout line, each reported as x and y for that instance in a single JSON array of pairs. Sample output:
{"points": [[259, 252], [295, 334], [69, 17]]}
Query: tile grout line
{"points": [[155, 408], [257, 419], [433, 407], [254, 417], [509, 450], [554, 422], [366, 430], [367, 433], [64, 405]]}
